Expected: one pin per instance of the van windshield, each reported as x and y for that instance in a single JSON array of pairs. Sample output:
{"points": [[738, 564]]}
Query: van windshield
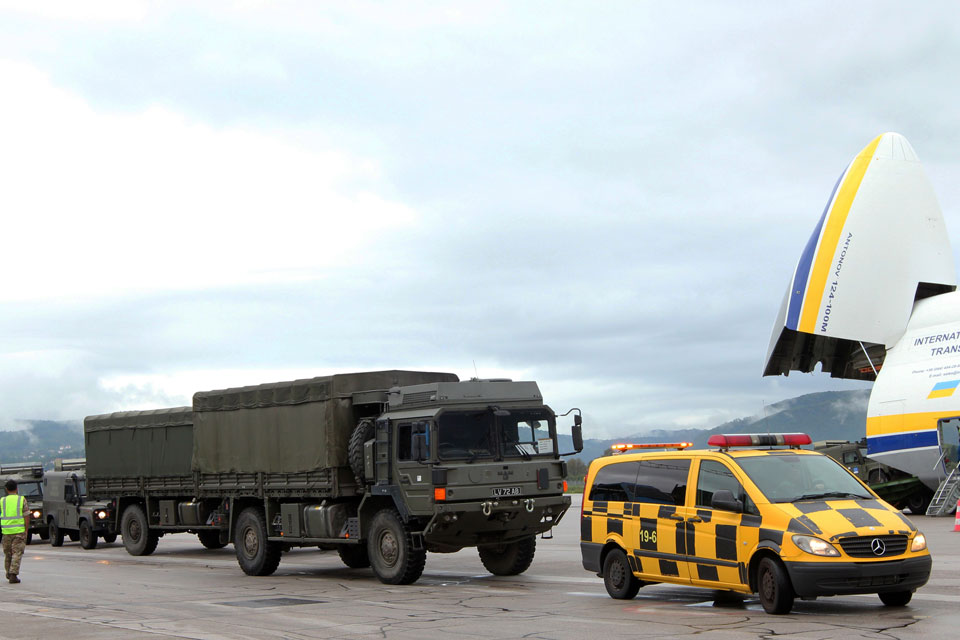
{"points": [[794, 477]]}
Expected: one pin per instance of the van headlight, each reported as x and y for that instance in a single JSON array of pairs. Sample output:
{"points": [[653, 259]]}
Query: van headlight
{"points": [[815, 546], [919, 542]]}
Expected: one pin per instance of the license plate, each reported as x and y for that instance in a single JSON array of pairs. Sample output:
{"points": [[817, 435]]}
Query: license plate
{"points": [[503, 492]]}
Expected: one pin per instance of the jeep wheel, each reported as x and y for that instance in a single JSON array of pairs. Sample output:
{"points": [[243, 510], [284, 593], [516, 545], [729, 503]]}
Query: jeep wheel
{"points": [[510, 559], [45, 534], [257, 556], [361, 433], [73, 535], [390, 547], [88, 539], [776, 593], [354, 556], [618, 578], [56, 536], [109, 538], [210, 538], [137, 537], [896, 598]]}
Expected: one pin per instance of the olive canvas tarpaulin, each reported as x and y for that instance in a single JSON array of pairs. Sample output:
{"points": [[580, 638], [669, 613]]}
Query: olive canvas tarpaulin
{"points": [[139, 443], [288, 427]]}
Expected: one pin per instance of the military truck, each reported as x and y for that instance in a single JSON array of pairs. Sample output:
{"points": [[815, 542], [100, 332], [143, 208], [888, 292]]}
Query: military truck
{"points": [[896, 487], [69, 512], [380, 466], [28, 476]]}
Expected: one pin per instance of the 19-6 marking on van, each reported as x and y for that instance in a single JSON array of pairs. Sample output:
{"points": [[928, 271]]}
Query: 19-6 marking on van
{"points": [[648, 534]]}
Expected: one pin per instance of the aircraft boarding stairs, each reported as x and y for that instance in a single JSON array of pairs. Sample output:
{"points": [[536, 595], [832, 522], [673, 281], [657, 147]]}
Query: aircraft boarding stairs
{"points": [[945, 499]]}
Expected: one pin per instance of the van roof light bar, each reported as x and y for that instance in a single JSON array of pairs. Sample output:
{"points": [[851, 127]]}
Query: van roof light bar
{"points": [[727, 440], [624, 447]]}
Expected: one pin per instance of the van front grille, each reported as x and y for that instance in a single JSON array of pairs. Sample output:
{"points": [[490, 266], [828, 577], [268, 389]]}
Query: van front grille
{"points": [[874, 546]]}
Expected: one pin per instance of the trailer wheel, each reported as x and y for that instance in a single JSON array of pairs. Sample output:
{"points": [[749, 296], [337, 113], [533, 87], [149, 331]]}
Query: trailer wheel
{"points": [[257, 555], [508, 559], [390, 547], [361, 433], [210, 538], [919, 501], [56, 536], [354, 556], [88, 539], [138, 539]]}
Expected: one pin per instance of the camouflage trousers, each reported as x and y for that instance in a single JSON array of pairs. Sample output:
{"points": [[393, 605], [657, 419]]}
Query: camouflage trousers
{"points": [[13, 546]]}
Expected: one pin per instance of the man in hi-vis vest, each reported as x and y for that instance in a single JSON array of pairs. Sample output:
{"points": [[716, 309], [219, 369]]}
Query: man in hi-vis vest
{"points": [[14, 521]]}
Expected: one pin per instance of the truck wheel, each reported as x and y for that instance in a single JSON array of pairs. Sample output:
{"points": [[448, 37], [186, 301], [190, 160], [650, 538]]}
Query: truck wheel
{"points": [[56, 536], [88, 539], [354, 556], [210, 538], [896, 598], [776, 592], [877, 476], [109, 538], [618, 578], [137, 537], [918, 502], [257, 556], [390, 547], [508, 559], [361, 433]]}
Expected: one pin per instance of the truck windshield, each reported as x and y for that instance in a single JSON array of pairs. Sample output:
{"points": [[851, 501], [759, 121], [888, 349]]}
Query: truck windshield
{"points": [[793, 478], [30, 490], [526, 432], [465, 434]]}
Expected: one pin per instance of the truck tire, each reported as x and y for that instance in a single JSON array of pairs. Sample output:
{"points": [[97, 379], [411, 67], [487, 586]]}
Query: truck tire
{"points": [[361, 433], [88, 539], [390, 547], [510, 559], [138, 539], [354, 556], [56, 535], [210, 538], [109, 538], [919, 501], [257, 555]]}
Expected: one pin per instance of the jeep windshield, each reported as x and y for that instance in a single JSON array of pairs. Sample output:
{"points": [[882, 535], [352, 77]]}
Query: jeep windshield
{"points": [[473, 435], [794, 478], [29, 489]]}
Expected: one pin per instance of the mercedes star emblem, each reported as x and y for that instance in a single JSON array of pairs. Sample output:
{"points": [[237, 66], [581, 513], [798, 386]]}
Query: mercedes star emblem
{"points": [[878, 547]]}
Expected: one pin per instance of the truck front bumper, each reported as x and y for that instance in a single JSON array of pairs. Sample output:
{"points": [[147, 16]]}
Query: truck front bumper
{"points": [[838, 578], [495, 520]]}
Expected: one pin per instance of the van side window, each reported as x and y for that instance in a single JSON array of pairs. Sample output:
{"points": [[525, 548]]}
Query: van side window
{"points": [[663, 481], [615, 482], [714, 477]]}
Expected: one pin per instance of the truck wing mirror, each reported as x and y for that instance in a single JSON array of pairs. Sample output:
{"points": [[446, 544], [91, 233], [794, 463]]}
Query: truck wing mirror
{"points": [[724, 500], [577, 432]]}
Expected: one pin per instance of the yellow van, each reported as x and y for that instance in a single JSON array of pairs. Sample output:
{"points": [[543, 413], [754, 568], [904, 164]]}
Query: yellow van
{"points": [[781, 522]]}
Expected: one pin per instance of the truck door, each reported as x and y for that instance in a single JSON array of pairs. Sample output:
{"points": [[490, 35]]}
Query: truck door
{"points": [[413, 474], [661, 493], [720, 534]]}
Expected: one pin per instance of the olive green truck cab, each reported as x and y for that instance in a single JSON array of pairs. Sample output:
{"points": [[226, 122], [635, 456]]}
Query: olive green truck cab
{"points": [[380, 466], [29, 478]]}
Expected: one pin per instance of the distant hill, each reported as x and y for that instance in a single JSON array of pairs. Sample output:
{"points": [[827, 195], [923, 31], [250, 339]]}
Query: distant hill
{"points": [[829, 415], [42, 441]]}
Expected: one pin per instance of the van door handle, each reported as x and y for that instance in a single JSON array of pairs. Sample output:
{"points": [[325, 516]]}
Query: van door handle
{"points": [[695, 519], [674, 516]]}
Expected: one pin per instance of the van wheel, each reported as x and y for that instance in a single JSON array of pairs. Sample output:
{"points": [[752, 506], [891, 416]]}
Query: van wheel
{"points": [[354, 556], [618, 578], [390, 547], [361, 433], [896, 598], [509, 559], [88, 539], [210, 538], [776, 593], [256, 555], [137, 537], [56, 536]]}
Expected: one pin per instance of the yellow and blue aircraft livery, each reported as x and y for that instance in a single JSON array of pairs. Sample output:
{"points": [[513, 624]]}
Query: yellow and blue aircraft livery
{"points": [[783, 522]]}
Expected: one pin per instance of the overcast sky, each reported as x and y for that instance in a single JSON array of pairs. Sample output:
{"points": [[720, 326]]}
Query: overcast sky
{"points": [[607, 198]]}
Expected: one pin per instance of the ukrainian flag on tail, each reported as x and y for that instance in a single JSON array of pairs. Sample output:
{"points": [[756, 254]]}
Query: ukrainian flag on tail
{"points": [[943, 389]]}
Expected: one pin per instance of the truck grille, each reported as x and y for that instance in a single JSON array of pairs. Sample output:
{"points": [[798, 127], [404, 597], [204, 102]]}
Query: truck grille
{"points": [[869, 546]]}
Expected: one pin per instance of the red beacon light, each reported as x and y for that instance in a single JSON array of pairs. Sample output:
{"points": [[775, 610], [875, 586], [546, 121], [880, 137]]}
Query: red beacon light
{"points": [[623, 447], [792, 440]]}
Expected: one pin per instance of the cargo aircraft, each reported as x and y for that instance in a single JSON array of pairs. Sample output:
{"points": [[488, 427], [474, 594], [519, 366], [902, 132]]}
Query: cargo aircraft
{"points": [[874, 297]]}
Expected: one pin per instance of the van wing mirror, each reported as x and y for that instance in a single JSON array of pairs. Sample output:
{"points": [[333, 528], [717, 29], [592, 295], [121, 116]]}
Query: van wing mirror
{"points": [[724, 500]]}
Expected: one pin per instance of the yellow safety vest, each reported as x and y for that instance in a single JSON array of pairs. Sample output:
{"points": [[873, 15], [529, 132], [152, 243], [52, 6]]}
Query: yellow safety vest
{"points": [[11, 514]]}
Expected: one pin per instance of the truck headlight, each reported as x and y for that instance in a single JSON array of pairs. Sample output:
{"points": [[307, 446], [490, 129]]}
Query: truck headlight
{"points": [[815, 546], [919, 542]]}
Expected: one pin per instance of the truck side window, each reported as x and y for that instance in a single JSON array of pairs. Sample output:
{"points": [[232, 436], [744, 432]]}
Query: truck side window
{"points": [[615, 482], [850, 457], [405, 441], [663, 481]]}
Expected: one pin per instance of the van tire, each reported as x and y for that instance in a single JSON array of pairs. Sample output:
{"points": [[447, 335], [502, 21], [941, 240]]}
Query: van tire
{"points": [[210, 538], [56, 535], [896, 598], [510, 559], [138, 539], [355, 556], [618, 577], [256, 555], [361, 433], [390, 547], [773, 586], [88, 539]]}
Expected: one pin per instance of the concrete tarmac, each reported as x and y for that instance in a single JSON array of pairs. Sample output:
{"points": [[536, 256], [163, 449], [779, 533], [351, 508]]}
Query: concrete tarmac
{"points": [[186, 591]]}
